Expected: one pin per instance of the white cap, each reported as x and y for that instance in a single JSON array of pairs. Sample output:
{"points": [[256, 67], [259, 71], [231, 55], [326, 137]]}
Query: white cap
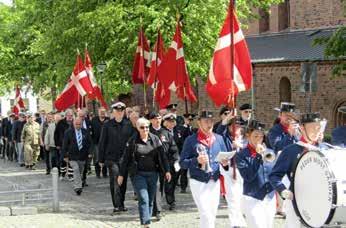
{"points": [[118, 105]]}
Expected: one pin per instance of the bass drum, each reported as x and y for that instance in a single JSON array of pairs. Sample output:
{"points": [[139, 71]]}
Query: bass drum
{"points": [[319, 187]]}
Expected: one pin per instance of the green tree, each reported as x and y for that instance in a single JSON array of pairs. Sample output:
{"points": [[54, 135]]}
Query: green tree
{"points": [[40, 37]]}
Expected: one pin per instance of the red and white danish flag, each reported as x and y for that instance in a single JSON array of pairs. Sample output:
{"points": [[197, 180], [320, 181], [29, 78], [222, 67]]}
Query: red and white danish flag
{"points": [[97, 93], [156, 59], [140, 67], [78, 84], [172, 71], [18, 102], [219, 85]]}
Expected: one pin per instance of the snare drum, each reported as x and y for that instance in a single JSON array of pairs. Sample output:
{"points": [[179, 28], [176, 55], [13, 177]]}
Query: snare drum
{"points": [[319, 187]]}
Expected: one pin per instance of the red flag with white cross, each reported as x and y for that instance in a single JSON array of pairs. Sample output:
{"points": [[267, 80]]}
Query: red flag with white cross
{"points": [[18, 102], [223, 84]]}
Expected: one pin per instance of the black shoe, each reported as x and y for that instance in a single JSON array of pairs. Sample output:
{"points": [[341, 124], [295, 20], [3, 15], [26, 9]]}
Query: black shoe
{"points": [[21, 165], [183, 191], [27, 166], [84, 184], [78, 192], [116, 210], [171, 207], [158, 216], [48, 172], [123, 209]]}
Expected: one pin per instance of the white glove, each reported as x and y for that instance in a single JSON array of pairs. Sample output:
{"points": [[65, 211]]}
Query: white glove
{"points": [[287, 194]]}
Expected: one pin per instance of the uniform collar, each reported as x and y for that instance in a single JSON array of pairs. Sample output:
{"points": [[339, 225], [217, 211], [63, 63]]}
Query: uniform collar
{"points": [[252, 150]]}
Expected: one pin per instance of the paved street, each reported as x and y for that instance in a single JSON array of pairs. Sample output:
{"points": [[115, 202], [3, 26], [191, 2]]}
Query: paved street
{"points": [[93, 207]]}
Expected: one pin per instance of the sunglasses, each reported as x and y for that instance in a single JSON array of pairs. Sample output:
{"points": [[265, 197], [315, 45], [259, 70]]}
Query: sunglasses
{"points": [[144, 127]]}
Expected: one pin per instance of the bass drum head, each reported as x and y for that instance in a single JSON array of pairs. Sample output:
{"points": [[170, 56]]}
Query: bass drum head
{"points": [[313, 189]]}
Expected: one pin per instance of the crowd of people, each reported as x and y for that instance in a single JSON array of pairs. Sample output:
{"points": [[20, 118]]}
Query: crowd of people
{"points": [[237, 157]]}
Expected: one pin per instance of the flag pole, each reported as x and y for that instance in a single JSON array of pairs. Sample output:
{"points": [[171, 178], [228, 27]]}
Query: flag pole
{"points": [[156, 58], [78, 102], [233, 99], [144, 76], [184, 88]]}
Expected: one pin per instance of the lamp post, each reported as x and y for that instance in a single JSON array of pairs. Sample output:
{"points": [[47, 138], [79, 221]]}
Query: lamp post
{"points": [[101, 67]]}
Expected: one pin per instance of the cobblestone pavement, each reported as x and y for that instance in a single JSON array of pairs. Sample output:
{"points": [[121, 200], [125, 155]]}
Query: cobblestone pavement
{"points": [[93, 208]]}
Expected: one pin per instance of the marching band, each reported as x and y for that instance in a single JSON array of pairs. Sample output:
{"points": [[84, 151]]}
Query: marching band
{"points": [[235, 157]]}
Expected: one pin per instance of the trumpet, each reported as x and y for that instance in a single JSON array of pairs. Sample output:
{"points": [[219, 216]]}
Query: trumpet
{"points": [[268, 155]]}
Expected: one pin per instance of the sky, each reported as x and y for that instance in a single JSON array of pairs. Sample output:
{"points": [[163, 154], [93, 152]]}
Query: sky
{"points": [[7, 2]]}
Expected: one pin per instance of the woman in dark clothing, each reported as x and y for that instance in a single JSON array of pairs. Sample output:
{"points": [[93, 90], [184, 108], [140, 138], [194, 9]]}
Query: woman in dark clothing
{"points": [[144, 158]]}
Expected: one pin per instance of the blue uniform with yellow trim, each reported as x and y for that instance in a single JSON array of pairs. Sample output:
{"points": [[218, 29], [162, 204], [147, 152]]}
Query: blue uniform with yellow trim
{"points": [[189, 154], [255, 173], [279, 139], [339, 136]]}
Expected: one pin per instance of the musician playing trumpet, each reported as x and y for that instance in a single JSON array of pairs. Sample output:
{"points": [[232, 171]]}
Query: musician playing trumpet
{"points": [[254, 163]]}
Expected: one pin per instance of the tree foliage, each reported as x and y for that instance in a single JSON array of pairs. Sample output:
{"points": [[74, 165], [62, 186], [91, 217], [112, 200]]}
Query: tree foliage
{"points": [[39, 38]]}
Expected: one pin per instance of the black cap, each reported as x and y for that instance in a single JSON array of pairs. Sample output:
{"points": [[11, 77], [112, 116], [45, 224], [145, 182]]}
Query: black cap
{"points": [[205, 114], [172, 106], [153, 115], [224, 109], [190, 116], [287, 107], [245, 107], [310, 118], [256, 125], [169, 116]]}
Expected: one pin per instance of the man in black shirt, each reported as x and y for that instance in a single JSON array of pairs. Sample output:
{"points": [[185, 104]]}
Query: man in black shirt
{"points": [[114, 136], [172, 153], [96, 127]]}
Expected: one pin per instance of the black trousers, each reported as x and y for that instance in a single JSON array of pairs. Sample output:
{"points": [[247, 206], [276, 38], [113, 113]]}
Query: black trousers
{"points": [[4, 149], [10, 151], [169, 187], [117, 192], [54, 156], [183, 179]]}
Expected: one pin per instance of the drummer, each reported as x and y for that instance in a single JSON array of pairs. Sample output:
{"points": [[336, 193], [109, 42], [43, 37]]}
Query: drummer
{"points": [[339, 133], [310, 132]]}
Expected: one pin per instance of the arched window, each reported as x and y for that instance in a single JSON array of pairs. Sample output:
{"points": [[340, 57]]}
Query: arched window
{"points": [[339, 118], [285, 90], [284, 15]]}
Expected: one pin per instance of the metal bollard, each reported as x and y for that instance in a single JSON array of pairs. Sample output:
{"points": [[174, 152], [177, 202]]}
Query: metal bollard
{"points": [[55, 177]]}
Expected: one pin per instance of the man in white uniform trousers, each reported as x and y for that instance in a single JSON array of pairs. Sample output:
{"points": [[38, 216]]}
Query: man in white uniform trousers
{"points": [[199, 158]]}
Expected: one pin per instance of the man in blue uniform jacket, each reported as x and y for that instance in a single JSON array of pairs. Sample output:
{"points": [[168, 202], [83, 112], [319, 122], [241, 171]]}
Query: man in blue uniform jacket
{"points": [[310, 130], [199, 157], [283, 133], [339, 133]]}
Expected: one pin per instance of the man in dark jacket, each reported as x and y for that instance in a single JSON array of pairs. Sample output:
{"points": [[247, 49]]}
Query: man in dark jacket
{"points": [[96, 127], [75, 149], [181, 132], [17, 133], [114, 136], [172, 153], [60, 129]]}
